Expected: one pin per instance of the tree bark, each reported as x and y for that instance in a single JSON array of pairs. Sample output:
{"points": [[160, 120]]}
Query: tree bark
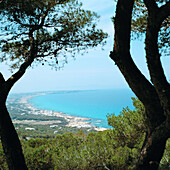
{"points": [[155, 97], [9, 138], [155, 19], [10, 141], [153, 149]]}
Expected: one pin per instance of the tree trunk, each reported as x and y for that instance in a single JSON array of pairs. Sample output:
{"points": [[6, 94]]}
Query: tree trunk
{"points": [[156, 101], [151, 154], [10, 141], [153, 148]]}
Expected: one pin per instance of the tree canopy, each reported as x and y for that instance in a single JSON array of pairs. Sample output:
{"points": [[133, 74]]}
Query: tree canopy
{"points": [[39, 32], [139, 25], [112, 149], [129, 126], [151, 18], [55, 28]]}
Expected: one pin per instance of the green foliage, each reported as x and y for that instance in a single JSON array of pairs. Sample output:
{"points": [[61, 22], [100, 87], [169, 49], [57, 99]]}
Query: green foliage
{"points": [[139, 25], [111, 149], [39, 158], [165, 162], [67, 140], [129, 126], [129, 133], [3, 163], [55, 28], [36, 143]]}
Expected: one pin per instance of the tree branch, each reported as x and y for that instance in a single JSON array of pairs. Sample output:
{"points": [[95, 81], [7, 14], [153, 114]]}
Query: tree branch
{"points": [[2, 80], [43, 18], [164, 12], [153, 57], [151, 4], [15, 77], [33, 26], [121, 55], [33, 52], [49, 53]]}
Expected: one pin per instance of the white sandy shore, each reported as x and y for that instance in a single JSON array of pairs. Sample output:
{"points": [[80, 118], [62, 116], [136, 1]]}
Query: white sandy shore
{"points": [[73, 121]]}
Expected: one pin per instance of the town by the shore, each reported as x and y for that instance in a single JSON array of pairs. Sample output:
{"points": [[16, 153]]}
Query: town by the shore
{"points": [[24, 109]]}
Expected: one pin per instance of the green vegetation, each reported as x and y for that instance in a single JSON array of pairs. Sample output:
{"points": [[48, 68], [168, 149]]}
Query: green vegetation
{"points": [[116, 148], [31, 123], [46, 131], [151, 19], [46, 32], [129, 126], [39, 32]]}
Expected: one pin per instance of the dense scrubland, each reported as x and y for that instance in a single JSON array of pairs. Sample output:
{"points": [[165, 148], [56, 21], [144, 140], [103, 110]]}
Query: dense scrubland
{"points": [[116, 148]]}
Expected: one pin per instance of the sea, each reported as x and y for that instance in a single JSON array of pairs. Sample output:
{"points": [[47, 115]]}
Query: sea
{"points": [[92, 104]]}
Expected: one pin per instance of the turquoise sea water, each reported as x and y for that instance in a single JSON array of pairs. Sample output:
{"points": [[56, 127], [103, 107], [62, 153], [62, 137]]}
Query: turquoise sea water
{"points": [[94, 104]]}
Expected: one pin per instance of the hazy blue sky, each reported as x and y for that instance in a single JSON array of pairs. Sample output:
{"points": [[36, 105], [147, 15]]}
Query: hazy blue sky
{"points": [[94, 70]]}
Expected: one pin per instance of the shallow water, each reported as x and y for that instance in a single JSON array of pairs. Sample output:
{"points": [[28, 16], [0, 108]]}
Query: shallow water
{"points": [[94, 104]]}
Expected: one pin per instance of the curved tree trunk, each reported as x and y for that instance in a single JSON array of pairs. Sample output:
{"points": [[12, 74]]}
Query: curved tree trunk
{"points": [[153, 148], [9, 137], [10, 141], [156, 96]]}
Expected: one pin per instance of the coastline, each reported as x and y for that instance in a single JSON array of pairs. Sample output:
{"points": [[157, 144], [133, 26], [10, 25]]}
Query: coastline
{"points": [[72, 121]]}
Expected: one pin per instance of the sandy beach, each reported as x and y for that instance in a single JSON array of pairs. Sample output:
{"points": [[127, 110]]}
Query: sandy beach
{"points": [[73, 121]]}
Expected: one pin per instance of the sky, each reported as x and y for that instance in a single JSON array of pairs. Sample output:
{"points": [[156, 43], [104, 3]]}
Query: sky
{"points": [[94, 70]]}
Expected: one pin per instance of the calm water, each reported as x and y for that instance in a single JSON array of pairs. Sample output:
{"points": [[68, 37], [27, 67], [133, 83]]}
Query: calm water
{"points": [[94, 104]]}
